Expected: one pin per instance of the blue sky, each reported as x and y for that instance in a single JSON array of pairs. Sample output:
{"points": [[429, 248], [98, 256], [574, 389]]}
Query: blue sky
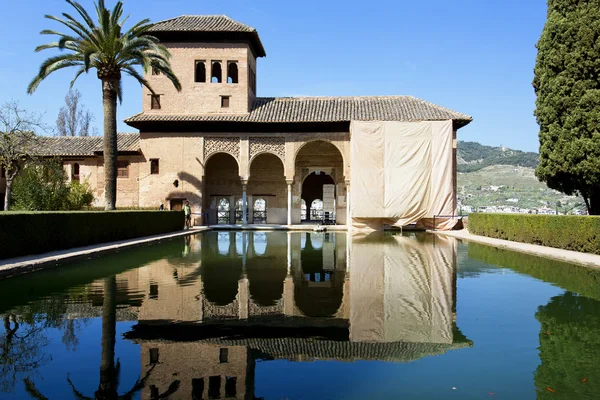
{"points": [[474, 56]]}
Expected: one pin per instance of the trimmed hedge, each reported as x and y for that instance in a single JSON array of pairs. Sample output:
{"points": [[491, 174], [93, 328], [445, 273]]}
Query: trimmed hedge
{"points": [[26, 233], [570, 232]]}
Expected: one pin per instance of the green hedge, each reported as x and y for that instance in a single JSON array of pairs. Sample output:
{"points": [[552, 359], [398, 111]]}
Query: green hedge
{"points": [[25, 233], [579, 233]]}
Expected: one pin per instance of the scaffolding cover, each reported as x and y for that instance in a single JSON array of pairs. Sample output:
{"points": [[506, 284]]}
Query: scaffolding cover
{"points": [[402, 173]]}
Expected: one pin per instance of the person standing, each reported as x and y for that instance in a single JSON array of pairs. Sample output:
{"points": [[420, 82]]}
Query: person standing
{"points": [[187, 211]]}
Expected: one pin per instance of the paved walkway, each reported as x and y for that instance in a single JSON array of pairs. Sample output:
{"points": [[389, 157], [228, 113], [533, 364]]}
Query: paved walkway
{"points": [[21, 265], [574, 257]]}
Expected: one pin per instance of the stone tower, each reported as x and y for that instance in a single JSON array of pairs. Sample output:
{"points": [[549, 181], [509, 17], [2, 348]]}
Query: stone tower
{"points": [[214, 58]]}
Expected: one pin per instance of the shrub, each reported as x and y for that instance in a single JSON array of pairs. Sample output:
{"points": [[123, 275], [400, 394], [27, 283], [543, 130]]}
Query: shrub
{"points": [[80, 196], [25, 233], [43, 186], [570, 232]]}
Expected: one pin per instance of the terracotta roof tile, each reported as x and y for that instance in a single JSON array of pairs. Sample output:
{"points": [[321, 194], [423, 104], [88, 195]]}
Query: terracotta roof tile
{"points": [[201, 23], [83, 146], [322, 109]]}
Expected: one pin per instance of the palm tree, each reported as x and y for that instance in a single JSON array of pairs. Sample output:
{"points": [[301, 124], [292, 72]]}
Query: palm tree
{"points": [[111, 52]]}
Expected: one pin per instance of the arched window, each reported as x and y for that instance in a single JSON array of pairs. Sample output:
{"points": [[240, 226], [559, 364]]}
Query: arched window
{"points": [[223, 211], [232, 72], [260, 243], [75, 174], [200, 72], [303, 210], [316, 210], [260, 211], [215, 76], [223, 242], [239, 211]]}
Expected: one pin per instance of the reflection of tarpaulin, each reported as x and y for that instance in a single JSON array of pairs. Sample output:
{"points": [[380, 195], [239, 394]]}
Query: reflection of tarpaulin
{"points": [[402, 173], [401, 289]]}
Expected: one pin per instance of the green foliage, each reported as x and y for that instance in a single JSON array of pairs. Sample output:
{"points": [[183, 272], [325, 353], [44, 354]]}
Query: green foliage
{"points": [[43, 186], [570, 232], [569, 348], [104, 45], [80, 196], [574, 278], [567, 86], [478, 156], [25, 233]]}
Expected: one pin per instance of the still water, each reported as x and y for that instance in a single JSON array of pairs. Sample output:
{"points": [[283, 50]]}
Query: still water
{"points": [[257, 315]]}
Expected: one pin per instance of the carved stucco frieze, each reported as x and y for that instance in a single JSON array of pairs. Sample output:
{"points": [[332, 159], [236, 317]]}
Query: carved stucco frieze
{"points": [[273, 145], [229, 145]]}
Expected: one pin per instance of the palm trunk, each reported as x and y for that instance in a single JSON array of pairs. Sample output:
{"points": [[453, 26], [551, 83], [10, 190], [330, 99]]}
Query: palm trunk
{"points": [[108, 373], [109, 102]]}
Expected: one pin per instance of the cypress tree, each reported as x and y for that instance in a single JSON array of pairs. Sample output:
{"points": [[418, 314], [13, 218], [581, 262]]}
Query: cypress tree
{"points": [[567, 85]]}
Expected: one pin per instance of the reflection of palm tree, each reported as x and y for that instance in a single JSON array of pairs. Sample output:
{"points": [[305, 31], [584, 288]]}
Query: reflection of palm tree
{"points": [[109, 370]]}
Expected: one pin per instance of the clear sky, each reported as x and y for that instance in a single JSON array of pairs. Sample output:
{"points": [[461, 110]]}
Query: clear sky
{"points": [[473, 56]]}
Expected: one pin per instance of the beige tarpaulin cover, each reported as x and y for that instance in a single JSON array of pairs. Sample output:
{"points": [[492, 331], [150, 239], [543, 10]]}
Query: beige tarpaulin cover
{"points": [[402, 290], [401, 173]]}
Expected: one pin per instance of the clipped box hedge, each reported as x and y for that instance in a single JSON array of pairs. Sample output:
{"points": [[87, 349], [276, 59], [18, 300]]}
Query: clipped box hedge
{"points": [[570, 232], [26, 233]]}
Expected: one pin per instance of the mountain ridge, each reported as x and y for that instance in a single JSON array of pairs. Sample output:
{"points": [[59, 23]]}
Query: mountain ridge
{"points": [[474, 156]]}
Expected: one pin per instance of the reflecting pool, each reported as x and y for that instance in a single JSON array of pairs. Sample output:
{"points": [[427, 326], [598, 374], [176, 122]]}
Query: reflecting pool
{"points": [[303, 315]]}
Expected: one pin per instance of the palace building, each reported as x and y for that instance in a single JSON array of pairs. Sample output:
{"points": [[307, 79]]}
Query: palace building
{"points": [[239, 158]]}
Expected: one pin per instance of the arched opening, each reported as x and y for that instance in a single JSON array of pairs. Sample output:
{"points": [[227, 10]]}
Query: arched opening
{"points": [[318, 190], [259, 215], [319, 291], [223, 211], [221, 186], [232, 72], [239, 212], [221, 268], [75, 173], [200, 72], [320, 167], [216, 74], [267, 190], [266, 269]]}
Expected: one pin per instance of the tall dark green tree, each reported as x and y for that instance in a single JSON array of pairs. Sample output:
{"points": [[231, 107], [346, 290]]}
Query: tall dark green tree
{"points": [[112, 51], [567, 85]]}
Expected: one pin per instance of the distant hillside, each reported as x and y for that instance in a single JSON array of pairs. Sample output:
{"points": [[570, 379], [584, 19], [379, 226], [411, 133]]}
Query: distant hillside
{"points": [[473, 156]]}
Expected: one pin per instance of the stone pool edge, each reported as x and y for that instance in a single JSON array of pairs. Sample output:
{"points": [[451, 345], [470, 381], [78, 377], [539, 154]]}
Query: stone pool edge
{"points": [[26, 264], [574, 257]]}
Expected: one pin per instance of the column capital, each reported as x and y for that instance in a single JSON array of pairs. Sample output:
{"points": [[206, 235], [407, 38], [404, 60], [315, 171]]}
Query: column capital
{"points": [[347, 182], [244, 181], [289, 181]]}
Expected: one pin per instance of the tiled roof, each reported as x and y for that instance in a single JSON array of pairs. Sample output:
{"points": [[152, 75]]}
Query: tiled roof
{"points": [[322, 109], [83, 146], [208, 27], [302, 349], [201, 23]]}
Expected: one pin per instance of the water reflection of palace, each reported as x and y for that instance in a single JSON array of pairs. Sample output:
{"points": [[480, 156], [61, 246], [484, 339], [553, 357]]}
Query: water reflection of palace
{"points": [[232, 298]]}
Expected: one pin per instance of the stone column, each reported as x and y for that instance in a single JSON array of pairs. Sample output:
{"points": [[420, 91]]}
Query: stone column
{"points": [[348, 218], [244, 203], [289, 252], [289, 204], [231, 210]]}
